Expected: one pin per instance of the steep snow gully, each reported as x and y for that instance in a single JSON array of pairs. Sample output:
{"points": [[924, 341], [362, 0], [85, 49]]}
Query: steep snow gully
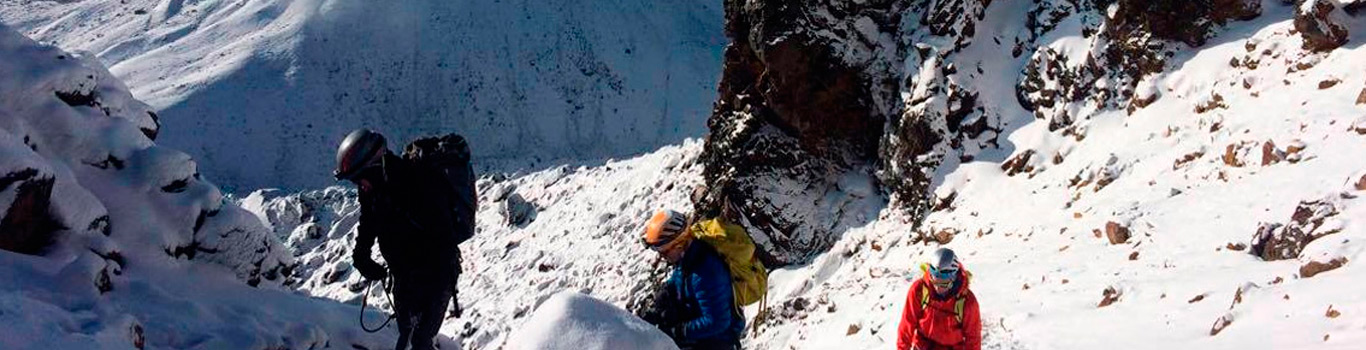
{"points": [[1117, 174]]}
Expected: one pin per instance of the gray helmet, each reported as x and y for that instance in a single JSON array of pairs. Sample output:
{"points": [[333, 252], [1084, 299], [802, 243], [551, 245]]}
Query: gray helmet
{"points": [[944, 261], [359, 150]]}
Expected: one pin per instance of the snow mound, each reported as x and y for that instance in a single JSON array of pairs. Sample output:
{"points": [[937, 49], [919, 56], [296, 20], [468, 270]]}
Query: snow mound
{"points": [[570, 320]]}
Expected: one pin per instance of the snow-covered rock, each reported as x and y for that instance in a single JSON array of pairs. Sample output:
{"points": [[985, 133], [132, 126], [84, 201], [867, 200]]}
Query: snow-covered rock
{"points": [[81, 163], [110, 241], [569, 320], [1322, 23]]}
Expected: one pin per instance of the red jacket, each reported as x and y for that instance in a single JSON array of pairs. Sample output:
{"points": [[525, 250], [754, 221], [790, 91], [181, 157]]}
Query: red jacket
{"points": [[936, 325]]}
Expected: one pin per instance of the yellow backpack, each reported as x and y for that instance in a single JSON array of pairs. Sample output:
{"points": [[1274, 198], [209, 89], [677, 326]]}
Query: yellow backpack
{"points": [[748, 276]]}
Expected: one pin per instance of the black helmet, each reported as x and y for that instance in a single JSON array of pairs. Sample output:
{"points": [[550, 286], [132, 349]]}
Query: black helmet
{"points": [[359, 150]]}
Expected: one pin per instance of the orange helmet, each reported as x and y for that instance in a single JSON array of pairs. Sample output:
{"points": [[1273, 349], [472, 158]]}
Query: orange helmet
{"points": [[665, 226]]}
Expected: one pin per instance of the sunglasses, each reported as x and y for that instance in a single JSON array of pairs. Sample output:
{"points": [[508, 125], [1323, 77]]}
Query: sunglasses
{"points": [[944, 276], [664, 246]]}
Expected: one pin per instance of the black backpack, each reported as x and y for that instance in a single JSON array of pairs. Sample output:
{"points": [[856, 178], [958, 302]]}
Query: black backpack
{"points": [[449, 155]]}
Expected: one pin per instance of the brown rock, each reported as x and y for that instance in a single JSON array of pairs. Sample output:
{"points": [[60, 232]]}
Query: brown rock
{"points": [[945, 236], [1018, 164], [946, 202], [1140, 102], [1269, 153], [1133, 256], [1316, 22], [1118, 234], [1214, 102], [1196, 299], [1191, 157], [1361, 184], [1276, 241], [1361, 99], [1235, 10], [1328, 84], [1237, 247], [1295, 147], [1220, 324], [853, 328], [1314, 267], [1331, 313], [1111, 296], [1231, 156]]}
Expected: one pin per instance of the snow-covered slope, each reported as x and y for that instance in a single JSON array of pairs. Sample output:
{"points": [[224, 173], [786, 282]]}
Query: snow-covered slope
{"points": [[110, 241], [1088, 221], [1191, 177], [259, 91], [1188, 175], [564, 228]]}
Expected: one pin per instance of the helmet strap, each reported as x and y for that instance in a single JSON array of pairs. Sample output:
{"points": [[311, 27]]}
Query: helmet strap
{"points": [[384, 166]]}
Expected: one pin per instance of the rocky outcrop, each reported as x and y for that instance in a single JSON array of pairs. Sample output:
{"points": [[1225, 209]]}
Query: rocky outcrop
{"points": [[803, 99], [80, 172], [1128, 44], [813, 92], [1277, 241], [1322, 24], [27, 225]]}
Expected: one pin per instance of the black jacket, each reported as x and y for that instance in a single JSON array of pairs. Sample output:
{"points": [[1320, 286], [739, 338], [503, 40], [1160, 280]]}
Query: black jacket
{"points": [[414, 227]]}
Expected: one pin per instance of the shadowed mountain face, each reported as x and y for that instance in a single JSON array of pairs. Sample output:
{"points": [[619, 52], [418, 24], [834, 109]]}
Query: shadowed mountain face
{"points": [[260, 92]]}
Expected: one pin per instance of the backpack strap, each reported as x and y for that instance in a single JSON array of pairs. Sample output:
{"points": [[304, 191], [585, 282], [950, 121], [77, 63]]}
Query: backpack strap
{"points": [[958, 305], [958, 308], [924, 297]]}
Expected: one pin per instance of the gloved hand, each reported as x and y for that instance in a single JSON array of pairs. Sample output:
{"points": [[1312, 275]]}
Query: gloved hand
{"points": [[371, 270], [674, 332], [458, 311]]}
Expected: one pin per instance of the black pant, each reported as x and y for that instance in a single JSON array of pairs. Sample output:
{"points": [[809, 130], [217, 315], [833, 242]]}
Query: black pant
{"points": [[710, 345], [421, 299]]}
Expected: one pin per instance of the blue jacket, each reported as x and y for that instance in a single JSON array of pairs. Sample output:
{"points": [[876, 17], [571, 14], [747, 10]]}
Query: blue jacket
{"points": [[701, 282]]}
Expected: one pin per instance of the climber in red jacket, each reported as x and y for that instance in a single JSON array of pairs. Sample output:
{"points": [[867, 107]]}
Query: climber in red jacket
{"points": [[940, 312]]}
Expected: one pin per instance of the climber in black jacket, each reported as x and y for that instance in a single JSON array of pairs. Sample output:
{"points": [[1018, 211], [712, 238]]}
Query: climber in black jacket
{"points": [[401, 208]]}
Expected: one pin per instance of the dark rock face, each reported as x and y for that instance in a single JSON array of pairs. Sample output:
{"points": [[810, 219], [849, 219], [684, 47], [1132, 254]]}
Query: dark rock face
{"points": [[800, 101], [28, 227]]}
